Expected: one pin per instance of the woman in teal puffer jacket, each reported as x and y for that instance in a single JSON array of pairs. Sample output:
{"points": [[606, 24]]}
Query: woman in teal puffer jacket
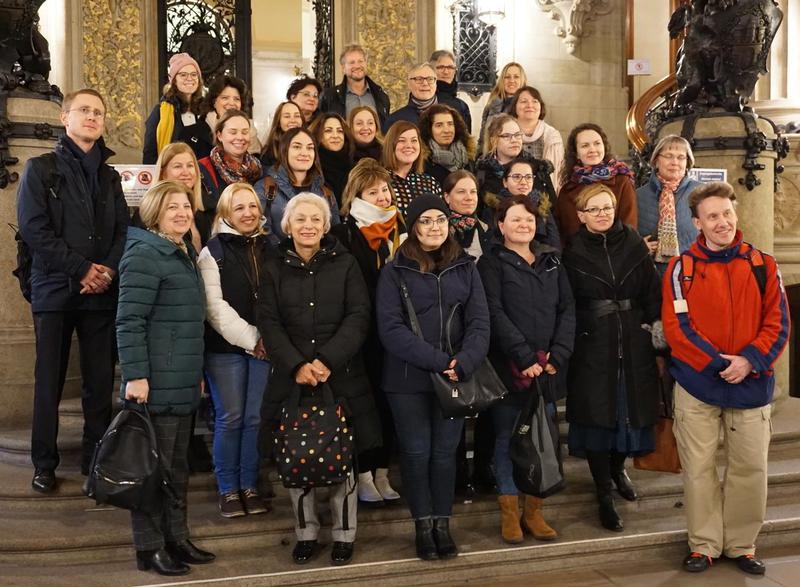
{"points": [[160, 339]]}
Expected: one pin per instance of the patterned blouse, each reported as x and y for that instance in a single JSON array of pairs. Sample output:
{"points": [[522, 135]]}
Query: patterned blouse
{"points": [[413, 185]]}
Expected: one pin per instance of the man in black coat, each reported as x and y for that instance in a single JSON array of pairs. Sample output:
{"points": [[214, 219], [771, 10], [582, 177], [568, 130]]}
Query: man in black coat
{"points": [[444, 63], [73, 217], [356, 89]]}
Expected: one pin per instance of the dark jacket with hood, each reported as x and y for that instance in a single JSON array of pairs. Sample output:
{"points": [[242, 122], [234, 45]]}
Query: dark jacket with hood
{"points": [[532, 311], [617, 289], [448, 94], [68, 227], [160, 322], [318, 310], [335, 99], [453, 294]]}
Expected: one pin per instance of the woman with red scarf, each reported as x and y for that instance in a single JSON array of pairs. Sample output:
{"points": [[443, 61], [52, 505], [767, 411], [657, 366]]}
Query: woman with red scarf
{"points": [[372, 230], [229, 161], [588, 160]]}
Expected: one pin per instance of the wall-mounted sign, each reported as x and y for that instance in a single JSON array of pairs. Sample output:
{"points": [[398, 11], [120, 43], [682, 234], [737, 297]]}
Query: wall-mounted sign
{"points": [[706, 174], [136, 180], [639, 67]]}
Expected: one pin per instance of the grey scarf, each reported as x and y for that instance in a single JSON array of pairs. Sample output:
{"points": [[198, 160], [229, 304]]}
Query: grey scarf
{"points": [[453, 158]]}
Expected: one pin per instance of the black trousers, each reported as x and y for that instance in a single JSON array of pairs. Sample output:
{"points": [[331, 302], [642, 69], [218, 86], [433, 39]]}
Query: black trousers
{"points": [[96, 340]]}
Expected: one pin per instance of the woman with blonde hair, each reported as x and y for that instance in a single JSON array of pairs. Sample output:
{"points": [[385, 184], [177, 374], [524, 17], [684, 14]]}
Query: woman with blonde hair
{"points": [[404, 157], [177, 162], [161, 310], [235, 360], [512, 77], [372, 229]]}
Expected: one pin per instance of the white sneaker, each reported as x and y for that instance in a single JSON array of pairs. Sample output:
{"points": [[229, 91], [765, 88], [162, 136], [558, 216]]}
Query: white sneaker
{"points": [[367, 493], [383, 486]]}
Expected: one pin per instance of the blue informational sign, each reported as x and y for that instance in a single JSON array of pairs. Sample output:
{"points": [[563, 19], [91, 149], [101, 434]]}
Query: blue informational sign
{"points": [[706, 174]]}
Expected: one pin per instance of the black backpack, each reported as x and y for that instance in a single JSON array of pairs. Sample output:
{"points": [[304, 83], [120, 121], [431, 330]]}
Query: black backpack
{"points": [[126, 469], [52, 183], [314, 445]]}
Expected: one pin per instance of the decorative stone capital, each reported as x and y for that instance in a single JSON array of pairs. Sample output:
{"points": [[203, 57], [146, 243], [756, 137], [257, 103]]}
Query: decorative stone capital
{"points": [[572, 14]]}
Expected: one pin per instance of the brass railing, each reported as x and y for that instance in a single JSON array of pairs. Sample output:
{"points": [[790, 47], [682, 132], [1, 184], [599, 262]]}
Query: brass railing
{"points": [[636, 121]]}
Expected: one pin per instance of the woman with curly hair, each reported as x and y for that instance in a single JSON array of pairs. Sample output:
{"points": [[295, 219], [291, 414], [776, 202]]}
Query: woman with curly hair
{"points": [[305, 92], [445, 133], [589, 160]]}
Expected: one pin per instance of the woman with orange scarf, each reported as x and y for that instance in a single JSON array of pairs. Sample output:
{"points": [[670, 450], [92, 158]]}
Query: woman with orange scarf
{"points": [[372, 229]]}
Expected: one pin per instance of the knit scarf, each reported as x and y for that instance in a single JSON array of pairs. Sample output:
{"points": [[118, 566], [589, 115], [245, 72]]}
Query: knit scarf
{"points": [[667, 223], [422, 105], [336, 166], [462, 226], [452, 158], [89, 161], [379, 227], [232, 171], [588, 174]]}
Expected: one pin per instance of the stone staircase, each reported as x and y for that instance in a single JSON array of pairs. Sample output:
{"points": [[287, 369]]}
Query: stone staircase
{"points": [[64, 539]]}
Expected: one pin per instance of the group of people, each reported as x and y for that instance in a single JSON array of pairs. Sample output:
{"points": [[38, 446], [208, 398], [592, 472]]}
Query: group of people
{"points": [[255, 272]]}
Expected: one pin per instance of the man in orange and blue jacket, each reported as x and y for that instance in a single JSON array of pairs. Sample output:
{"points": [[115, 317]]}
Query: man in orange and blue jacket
{"points": [[726, 319]]}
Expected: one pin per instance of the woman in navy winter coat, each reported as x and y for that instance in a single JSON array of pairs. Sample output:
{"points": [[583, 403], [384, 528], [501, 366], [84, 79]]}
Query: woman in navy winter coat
{"points": [[533, 330], [443, 285]]}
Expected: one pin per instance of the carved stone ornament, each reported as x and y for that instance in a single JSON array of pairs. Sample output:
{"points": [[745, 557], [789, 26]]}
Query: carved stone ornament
{"points": [[572, 16], [113, 38], [389, 31]]}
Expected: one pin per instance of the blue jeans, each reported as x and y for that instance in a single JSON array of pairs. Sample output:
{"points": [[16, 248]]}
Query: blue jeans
{"points": [[427, 442], [238, 383], [504, 415]]}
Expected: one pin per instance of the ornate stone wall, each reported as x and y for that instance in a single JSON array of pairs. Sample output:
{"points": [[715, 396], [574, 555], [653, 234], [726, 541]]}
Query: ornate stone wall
{"points": [[787, 215], [118, 54]]}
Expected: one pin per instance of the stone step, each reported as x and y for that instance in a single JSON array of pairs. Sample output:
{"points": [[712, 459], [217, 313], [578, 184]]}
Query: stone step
{"points": [[386, 556]]}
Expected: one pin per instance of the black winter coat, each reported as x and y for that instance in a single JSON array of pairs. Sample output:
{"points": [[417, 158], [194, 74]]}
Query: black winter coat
{"points": [[409, 359], [67, 232], [615, 265], [335, 100], [198, 136], [531, 308], [317, 310], [447, 94]]}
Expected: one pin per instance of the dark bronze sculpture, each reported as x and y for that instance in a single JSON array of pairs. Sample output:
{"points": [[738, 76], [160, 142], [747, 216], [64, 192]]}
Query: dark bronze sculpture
{"points": [[24, 69], [724, 52]]}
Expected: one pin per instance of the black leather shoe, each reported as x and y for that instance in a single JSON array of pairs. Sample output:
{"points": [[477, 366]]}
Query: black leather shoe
{"points": [[44, 480], [696, 562], [160, 561], [188, 553], [341, 553], [609, 518], [304, 551], [426, 546], [624, 485], [445, 546], [750, 564]]}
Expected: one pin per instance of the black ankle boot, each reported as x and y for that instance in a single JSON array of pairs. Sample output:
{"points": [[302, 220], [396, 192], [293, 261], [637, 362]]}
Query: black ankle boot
{"points": [[444, 542], [188, 553], [426, 546], [609, 517], [620, 477], [160, 561]]}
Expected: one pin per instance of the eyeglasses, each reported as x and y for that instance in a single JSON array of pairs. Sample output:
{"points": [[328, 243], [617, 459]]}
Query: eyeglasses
{"points": [[308, 94], [671, 157], [446, 67], [184, 75], [85, 111], [422, 80], [429, 222], [511, 136], [595, 211], [518, 177]]}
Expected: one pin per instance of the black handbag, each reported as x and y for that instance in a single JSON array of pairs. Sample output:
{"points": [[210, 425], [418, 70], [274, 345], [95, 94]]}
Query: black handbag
{"points": [[535, 448], [126, 470], [459, 399]]}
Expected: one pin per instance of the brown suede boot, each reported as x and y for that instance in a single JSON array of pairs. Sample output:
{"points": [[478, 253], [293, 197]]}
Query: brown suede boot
{"points": [[509, 509], [533, 521]]}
